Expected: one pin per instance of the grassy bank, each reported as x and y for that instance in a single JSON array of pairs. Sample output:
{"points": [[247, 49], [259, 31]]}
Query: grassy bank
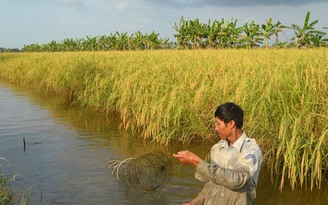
{"points": [[170, 96], [6, 191], [7, 195]]}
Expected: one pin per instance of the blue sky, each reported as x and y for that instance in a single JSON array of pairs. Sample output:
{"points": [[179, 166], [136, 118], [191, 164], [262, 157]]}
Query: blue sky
{"points": [[40, 21]]}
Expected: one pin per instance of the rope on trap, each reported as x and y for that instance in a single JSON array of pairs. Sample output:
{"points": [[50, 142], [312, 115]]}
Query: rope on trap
{"points": [[149, 172]]}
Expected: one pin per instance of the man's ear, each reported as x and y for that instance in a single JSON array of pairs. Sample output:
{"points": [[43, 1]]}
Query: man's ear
{"points": [[232, 124]]}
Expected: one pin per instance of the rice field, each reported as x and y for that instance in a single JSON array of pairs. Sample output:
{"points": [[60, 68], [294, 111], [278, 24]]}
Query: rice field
{"points": [[170, 96]]}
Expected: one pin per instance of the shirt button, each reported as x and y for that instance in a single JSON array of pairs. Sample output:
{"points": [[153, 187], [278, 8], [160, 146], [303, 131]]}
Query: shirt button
{"points": [[222, 194]]}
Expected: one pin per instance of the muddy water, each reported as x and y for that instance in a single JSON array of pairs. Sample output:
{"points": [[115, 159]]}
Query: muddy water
{"points": [[67, 149]]}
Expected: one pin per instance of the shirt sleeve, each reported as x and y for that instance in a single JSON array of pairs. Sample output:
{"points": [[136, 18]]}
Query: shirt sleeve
{"points": [[235, 178], [199, 200]]}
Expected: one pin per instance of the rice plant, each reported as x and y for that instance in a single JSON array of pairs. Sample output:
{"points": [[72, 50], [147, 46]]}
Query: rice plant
{"points": [[170, 96]]}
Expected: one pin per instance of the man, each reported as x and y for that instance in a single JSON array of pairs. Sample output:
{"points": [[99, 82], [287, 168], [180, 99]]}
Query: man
{"points": [[231, 176]]}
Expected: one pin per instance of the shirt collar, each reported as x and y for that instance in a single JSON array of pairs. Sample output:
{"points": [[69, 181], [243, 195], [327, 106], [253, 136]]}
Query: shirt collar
{"points": [[240, 141], [237, 145]]}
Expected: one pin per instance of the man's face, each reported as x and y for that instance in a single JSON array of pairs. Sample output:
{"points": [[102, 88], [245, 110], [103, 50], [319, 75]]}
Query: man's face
{"points": [[223, 130]]}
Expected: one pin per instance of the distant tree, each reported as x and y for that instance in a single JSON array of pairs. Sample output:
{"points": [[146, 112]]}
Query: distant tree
{"points": [[252, 35], [12, 50], [325, 40], [211, 32], [306, 36], [183, 36], [269, 29], [230, 34], [192, 34], [278, 28]]}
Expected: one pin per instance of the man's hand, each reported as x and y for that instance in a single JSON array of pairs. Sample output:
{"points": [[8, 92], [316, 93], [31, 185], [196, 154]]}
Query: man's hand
{"points": [[190, 203], [187, 157]]}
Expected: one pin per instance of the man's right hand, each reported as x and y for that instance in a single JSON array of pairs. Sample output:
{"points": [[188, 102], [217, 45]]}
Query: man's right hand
{"points": [[187, 157], [190, 203]]}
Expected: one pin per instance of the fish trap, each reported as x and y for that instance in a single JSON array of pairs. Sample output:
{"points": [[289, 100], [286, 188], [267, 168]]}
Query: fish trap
{"points": [[149, 172]]}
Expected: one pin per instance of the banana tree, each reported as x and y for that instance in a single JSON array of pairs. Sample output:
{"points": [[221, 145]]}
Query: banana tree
{"points": [[196, 33], [306, 36], [70, 44], [52, 46], [269, 29], [113, 41], [102, 43], [90, 44], [183, 35], [137, 40], [32, 48], [211, 32], [151, 41], [325, 40], [279, 28], [122, 41], [233, 34], [222, 33], [252, 35]]}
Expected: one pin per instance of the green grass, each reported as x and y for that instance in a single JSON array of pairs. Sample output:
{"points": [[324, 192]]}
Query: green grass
{"points": [[6, 190], [170, 96], [7, 195]]}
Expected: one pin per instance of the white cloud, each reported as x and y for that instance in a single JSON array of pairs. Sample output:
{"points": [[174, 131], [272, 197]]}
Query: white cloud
{"points": [[69, 3], [126, 5]]}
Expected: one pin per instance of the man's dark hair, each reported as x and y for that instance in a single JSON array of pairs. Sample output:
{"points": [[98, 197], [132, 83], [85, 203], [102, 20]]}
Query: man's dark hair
{"points": [[230, 111]]}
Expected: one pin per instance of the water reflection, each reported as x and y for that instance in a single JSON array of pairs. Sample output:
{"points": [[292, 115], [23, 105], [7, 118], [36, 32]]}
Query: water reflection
{"points": [[67, 150]]}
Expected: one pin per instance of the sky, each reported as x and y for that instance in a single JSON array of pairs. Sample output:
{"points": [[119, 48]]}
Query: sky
{"points": [[23, 22]]}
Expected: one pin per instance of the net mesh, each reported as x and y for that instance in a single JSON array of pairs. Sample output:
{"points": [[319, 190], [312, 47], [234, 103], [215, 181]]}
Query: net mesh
{"points": [[149, 172]]}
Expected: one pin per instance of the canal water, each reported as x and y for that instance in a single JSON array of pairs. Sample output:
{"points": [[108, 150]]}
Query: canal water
{"points": [[67, 149]]}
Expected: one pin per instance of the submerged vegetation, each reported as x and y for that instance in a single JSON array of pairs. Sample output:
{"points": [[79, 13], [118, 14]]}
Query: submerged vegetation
{"points": [[169, 96]]}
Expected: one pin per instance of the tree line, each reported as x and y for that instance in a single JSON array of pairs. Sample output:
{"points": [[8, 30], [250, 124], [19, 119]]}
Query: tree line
{"points": [[116, 41], [193, 34], [3, 50], [227, 34]]}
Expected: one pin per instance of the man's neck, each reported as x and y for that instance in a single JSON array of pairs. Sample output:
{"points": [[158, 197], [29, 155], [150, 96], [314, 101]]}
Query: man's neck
{"points": [[235, 135]]}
